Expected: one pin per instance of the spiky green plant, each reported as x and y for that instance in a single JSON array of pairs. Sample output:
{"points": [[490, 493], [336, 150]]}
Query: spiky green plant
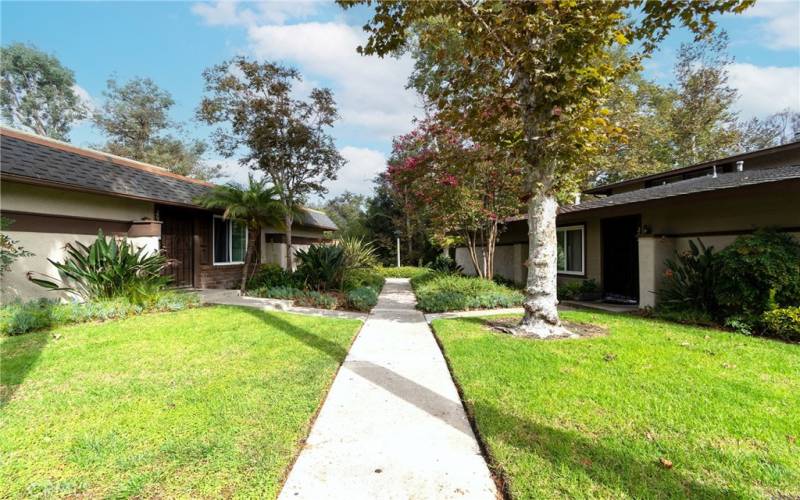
{"points": [[358, 253], [107, 268], [322, 266]]}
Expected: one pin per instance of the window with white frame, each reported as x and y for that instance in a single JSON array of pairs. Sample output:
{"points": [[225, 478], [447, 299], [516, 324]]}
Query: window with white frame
{"points": [[230, 241], [570, 249]]}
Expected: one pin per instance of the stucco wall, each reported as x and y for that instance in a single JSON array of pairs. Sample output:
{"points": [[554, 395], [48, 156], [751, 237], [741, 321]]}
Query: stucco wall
{"points": [[18, 197], [275, 253], [43, 200], [15, 284]]}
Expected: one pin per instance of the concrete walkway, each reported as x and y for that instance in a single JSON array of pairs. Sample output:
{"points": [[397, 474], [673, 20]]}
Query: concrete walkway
{"points": [[392, 426]]}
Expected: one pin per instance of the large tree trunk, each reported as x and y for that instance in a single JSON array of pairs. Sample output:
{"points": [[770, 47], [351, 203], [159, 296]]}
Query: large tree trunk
{"points": [[248, 259], [541, 313], [289, 253]]}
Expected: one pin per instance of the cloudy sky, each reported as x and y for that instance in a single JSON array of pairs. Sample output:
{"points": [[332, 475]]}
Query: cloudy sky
{"points": [[172, 42]]}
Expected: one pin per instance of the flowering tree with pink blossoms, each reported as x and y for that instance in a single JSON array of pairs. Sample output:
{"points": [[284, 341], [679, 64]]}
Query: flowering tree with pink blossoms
{"points": [[465, 190]]}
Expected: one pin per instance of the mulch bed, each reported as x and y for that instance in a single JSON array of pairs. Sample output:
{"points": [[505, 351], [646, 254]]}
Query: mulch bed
{"points": [[580, 330]]}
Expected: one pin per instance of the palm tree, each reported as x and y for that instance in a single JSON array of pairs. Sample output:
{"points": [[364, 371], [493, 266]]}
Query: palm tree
{"points": [[257, 205]]}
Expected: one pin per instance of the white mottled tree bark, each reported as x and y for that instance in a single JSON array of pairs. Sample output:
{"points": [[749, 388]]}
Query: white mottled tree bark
{"points": [[541, 313]]}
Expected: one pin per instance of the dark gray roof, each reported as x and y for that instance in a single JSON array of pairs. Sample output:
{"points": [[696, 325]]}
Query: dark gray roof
{"points": [[794, 145], [315, 218], [35, 159], [690, 186], [54, 165]]}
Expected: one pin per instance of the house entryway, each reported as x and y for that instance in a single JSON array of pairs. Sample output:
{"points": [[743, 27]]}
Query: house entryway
{"points": [[178, 246], [620, 241]]}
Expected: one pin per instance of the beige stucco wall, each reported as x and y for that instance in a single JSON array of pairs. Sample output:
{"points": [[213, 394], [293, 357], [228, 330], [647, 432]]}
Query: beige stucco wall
{"points": [[20, 197], [275, 253], [43, 200], [15, 284]]}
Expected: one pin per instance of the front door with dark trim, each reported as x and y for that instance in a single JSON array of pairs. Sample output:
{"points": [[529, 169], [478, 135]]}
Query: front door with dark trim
{"points": [[621, 258], [178, 245]]}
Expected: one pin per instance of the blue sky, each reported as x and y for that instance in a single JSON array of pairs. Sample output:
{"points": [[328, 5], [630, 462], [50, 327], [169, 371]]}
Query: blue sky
{"points": [[172, 42]]}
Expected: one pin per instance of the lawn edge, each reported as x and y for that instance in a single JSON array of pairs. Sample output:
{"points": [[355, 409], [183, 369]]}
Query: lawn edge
{"points": [[285, 474], [499, 476]]}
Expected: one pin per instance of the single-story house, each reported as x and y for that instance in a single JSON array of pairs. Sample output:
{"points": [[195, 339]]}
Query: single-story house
{"points": [[622, 233], [57, 193]]}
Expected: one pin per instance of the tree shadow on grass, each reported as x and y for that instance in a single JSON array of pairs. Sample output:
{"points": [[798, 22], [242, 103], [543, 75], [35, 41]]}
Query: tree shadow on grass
{"points": [[18, 356], [321, 344], [616, 469]]}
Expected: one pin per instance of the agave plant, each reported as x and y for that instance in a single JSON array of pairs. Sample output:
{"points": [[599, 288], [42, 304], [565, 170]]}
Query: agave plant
{"points": [[358, 253], [107, 268], [322, 266]]}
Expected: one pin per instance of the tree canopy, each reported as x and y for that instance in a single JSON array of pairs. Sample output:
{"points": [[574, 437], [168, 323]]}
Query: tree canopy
{"points": [[534, 76], [135, 118], [38, 92], [272, 131]]}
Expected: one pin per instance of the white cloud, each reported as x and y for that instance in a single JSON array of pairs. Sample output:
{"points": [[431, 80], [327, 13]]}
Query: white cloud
{"points": [[370, 91], [231, 13], [87, 100], [781, 26], [765, 90], [362, 166]]}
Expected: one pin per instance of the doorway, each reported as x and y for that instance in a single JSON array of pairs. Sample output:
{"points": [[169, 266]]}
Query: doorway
{"points": [[178, 246], [620, 237]]}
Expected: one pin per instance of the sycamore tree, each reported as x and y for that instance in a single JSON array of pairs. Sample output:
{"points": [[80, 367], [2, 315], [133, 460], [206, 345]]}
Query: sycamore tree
{"points": [[547, 66], [285, 137], [135, 119], [463, 188], [37, 92]]}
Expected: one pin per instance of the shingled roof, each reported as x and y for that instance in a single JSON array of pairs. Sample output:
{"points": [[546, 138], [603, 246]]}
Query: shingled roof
{"points": [[690, 186], [39, 160]]}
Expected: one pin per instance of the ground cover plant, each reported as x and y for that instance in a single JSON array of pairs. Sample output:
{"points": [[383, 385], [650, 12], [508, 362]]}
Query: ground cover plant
{"points": [[440, 292], [207, 403], [650, 410], [21, 317], [402, 272], [326, 286]]}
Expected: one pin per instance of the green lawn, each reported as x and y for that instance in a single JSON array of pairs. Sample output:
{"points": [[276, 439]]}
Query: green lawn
{"points": [[200, 403], [594, 417]]}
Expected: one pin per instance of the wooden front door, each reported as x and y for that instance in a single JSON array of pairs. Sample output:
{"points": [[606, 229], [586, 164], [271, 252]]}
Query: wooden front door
{"points": [[177, 244], [621, 259]]}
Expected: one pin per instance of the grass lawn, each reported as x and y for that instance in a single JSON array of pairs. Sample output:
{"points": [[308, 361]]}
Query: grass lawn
{"points": [[594, 417], [199, 403]]}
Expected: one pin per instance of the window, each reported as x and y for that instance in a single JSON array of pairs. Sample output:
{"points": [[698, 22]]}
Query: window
{"points": [[570, 249], [230, 241]]}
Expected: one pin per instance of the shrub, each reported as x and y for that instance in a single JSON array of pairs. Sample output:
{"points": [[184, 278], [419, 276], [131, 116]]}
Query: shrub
{"points": [[689, 280], [270, 275], [402, 272], [321, 266], [757, 273], [318, 300], [579, 290], [569, 291], [362, 299], [109, 269], [357, 278], [782, 323], [278, 292], [444, 264], [438, 292], [22, 317], [358, 253]]}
